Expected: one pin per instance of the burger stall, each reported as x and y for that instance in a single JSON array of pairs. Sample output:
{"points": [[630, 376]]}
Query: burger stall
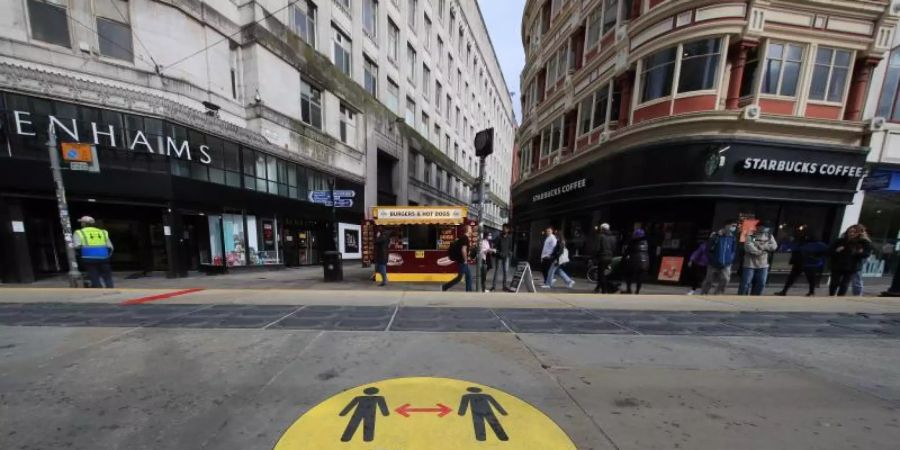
{"points": [[420, 237]]}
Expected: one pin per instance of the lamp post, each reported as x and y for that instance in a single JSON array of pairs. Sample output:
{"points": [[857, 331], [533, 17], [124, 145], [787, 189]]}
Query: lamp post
{"points": [[484, 146], [75, 277]]}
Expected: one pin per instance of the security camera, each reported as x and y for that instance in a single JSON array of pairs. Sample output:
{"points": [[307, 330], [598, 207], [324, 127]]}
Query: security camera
{"points": [[257, 98]]}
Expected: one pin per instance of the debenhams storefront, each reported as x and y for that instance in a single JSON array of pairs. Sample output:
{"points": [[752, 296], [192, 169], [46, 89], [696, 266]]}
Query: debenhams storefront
{"points": [[683, 189], [173, 198]]}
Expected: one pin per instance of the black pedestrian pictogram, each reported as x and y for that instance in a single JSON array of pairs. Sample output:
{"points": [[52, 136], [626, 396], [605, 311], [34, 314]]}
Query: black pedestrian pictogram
{"points": [[482, 412], [365, 412]]}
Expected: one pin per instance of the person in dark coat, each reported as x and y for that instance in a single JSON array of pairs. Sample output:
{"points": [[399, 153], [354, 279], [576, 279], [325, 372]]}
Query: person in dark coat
{"points": [[807, 258], [606, 251], [382, 242], [637, 261], [847, 255]]}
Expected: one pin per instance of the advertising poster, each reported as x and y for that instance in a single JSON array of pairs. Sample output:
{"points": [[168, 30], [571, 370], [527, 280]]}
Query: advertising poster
{"points": [[349, 240], [670, 268]]}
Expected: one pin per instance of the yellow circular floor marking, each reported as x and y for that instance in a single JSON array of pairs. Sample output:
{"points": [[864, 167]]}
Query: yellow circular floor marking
{"points": [[424, 414]]}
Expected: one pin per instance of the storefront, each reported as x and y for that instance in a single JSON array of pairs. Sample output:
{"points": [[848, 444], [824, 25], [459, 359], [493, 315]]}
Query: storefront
{"points": [[173, 198], [682, 190], [881, 216], [420, 237]]}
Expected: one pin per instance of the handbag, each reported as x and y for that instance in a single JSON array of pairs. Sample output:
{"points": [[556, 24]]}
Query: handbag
{"points": [[564, 257]]}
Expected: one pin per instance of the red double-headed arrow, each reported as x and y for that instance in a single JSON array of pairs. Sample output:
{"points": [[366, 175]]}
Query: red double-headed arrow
{"points": [[442, 410]]}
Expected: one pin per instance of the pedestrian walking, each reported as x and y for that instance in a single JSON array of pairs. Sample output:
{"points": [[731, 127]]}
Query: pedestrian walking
{"points": [[459, 253], [808, 258], [547, 254], [722, 249], [856, 283], [697, 265], [755, 271], [847, 255], [96, 251], [503, 255], [637, 260], [487, 255], [606, 251], [382, 243], [560, 259]]}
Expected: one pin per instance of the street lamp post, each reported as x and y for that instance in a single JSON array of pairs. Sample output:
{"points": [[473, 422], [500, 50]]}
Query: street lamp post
{"points": [[480, 260], [75, 278]]}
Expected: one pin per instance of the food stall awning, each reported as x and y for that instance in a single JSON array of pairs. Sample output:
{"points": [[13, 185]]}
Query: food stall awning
{"points": [[419, 215]]}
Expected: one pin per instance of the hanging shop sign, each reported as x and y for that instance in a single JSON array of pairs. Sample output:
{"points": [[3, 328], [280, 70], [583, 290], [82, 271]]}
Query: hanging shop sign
{"points": [[394, 215], [801, 167], [560, 190]]}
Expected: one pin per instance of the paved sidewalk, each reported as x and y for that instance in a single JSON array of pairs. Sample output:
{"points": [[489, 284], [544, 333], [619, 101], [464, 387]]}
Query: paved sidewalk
{"points": [[356, 278]]}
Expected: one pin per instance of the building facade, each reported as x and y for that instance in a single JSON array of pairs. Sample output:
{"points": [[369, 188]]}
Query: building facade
{"points": [[674, 116], [223, 129], [877, 204]]}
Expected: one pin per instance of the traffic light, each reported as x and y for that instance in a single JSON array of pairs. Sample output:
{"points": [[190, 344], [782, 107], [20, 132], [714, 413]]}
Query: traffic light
{"points": [[484, 143]]}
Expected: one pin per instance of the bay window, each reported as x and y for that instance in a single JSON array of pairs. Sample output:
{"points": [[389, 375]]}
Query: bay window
{"points": [[657, 73], [889, 103], [830, 74], [782, 69], [596, 110], [699, 65], [552, 138]]}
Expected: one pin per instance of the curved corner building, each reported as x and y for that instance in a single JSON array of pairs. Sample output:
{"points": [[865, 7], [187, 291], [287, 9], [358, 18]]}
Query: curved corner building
{"points": [[673, 115]]}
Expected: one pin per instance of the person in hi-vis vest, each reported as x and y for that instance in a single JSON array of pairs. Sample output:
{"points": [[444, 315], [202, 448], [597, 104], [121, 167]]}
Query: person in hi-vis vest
{"points": [[96, 249]]}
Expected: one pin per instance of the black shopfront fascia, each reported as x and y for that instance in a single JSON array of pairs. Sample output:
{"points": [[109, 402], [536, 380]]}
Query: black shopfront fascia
{"points": [[231, 182], [685, 181]]}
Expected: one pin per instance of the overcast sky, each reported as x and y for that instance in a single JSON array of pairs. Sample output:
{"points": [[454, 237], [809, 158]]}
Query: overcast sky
{"points": [[504, 23]]}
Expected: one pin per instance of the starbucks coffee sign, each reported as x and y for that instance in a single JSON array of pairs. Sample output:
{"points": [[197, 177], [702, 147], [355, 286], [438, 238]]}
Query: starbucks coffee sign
{"points": [[801, 167]]}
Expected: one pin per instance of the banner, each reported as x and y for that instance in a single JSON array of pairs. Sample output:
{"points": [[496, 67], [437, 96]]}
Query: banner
{"points": [[411, 215], [670, 268]]}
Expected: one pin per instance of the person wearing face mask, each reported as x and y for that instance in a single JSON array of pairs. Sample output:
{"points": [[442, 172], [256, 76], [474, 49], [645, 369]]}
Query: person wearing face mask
{"points": [[721, 247], [756, 261]]}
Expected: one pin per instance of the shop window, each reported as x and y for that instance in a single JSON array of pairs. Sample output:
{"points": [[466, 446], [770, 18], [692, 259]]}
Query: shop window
{"points": [[656, 76], [343, 51], [264, 246], [370, 74], [782, 69], [699, 65], [114, 30], [889, 101], [310, 105], [49, 21], [830, 74], [304, 21]]}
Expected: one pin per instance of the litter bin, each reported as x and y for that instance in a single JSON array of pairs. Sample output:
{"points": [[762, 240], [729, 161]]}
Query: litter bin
{"points": [[333, 266]]}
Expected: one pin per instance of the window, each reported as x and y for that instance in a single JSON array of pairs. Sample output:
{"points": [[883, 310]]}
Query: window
{"points": [[889, 103], [594, 110], [699, 65], [455, 151], [310, 105], [748, 83], [428, 178], [782, 70], [440, 49], [410, 112], [425, 125], [594, 28], [447, 105], [371, 76], [348, 126], [426, 82], [427, 38], [460, 42], [412, 9], [830, 74], [411, 62], [49, 21], [342, 51], [114, 39], [446, 146], [551, 71], [344, 5], [610, 15], [393, 41], [413, 165], [304, 21], [656, 76], [438, 93], [393, 96], [437, 135], [370, 18], [459, 79], [457, 121], [587, 108]]}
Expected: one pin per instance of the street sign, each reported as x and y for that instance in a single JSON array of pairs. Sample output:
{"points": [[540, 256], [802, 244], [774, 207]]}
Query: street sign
{"points": [[80, 156], [342, 198], [876, 182], [424, 413]]}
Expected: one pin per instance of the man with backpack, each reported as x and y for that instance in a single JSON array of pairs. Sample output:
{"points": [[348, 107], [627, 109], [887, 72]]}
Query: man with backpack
{"points": [[722, 247], [458, 253]]}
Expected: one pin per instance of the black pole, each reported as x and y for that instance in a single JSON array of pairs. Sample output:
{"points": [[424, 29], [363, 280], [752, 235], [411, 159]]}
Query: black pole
{"points": [[334, 227]]}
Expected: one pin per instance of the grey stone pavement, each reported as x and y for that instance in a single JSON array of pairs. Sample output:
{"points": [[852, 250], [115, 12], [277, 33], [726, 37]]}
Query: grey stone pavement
{"points": [[143, 368], [357, 277]]}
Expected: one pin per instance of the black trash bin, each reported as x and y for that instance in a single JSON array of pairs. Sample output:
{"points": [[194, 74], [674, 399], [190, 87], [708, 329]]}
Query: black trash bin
{"points": [[333, 266]]}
